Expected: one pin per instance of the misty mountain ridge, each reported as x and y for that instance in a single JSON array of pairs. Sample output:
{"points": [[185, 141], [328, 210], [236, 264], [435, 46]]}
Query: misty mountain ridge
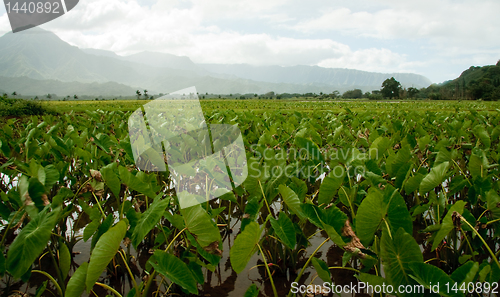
{"points": [[42, 55]]}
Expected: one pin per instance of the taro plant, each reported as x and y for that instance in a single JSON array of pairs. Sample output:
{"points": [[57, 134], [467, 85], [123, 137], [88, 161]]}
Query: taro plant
{"points": [[406, 197]]}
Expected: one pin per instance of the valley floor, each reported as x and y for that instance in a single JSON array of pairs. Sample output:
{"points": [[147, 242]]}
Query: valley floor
{"points": [[289, 104]]}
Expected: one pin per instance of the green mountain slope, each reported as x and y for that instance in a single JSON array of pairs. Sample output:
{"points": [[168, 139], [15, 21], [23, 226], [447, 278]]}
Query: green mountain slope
{"points": [[474, 83], [34, 87]]}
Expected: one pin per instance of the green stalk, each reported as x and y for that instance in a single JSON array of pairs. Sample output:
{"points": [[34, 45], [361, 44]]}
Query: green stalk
{"points": [[307, 264], [109, 288], [99, 205], [122, 252], [480, 237], [178, 234], [56, 267], [51, 279], [265, 200], [268, 271], [8, 226], [346, 268], [148, 283]]}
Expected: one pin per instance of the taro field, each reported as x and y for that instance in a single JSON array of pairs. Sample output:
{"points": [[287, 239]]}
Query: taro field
{"points": [[399, 195]]}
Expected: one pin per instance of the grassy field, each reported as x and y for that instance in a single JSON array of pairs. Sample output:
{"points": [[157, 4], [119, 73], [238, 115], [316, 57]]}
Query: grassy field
{"points": [[295, 105]]}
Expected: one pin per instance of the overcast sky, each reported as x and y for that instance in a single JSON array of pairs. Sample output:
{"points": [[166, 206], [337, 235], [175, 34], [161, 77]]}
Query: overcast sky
{"points": [[436, 38]]}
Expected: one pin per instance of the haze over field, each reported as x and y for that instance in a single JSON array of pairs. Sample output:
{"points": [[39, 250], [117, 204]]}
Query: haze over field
{"points": [[438, 39], [36, 62]]}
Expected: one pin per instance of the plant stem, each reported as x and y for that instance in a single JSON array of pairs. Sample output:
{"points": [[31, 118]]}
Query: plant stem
{"points": [[178, 234], [265, 200], [346, 268], [109, 288], [122, 252], [307, 264], [480, 237], [268, 271], [51, 279], [8, 226], [152, 276], [99, 205]]}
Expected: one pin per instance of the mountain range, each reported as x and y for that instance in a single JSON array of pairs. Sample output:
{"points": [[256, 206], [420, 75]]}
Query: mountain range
{"points": [[37, 62]]}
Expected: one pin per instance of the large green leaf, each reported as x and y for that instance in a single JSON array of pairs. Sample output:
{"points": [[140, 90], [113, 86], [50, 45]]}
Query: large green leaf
{"points": [[413, 183], [64, 259], [244, 246], [431, 277], [372, 280], [76, 284], [493, 202], [199, 223], [283, 227], [481, 133], [402, 158], [447, 224], [149, 219], [51, 176], [465, 273], [252, 291], [104, 251], [321, 269], [134, 183], [434, 178], [329, 187], [380, 209], [312, 213], [397, 253], [110, 176], [30, 242], [174, 269], [291, 200]]}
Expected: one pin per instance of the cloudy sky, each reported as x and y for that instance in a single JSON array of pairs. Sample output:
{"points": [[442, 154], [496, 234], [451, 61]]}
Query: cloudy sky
{"points": [[436, 38]]}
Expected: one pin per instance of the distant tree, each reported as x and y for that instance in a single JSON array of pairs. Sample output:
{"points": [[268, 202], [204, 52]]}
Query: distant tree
{"points": [[49, 96], [75, 97], [353, 94], [335, 94], [138, 93], [391, 88], [14, 93], [269, 94], [375, 95], [412, 92], [146, 94]]}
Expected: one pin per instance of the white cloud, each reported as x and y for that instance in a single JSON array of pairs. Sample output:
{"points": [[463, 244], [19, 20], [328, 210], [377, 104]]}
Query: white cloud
{"points": [[372, 59], [445, 24], [376, 35]]}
